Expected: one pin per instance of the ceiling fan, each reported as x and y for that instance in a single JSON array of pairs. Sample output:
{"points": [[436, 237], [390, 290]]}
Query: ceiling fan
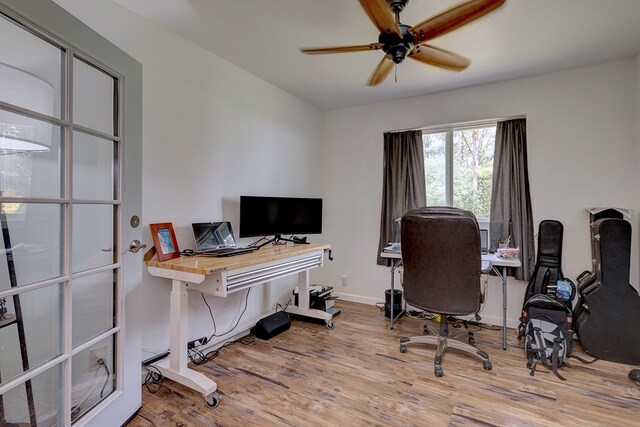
{"points": [[398, 40]]}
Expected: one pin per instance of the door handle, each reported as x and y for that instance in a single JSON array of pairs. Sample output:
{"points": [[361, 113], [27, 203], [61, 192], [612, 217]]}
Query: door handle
{"points": [[135, 246]]}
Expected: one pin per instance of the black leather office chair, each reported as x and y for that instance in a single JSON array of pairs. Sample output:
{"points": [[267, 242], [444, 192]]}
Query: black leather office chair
{"points": [[442, 267]]}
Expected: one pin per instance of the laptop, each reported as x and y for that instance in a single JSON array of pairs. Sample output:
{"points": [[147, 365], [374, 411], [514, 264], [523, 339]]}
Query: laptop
{"points": [[216, 239], [484, 241]]}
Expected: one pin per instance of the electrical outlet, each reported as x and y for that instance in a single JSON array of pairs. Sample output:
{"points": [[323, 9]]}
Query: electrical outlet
{"points": [[199, 341], [343, 278], [95, 354]]}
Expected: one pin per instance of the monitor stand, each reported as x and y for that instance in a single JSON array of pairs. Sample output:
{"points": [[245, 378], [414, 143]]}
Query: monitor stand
{"points": [[279, 240]]}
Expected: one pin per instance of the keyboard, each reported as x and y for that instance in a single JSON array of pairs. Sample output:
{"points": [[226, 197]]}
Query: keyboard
{"points": [[226, 251]]}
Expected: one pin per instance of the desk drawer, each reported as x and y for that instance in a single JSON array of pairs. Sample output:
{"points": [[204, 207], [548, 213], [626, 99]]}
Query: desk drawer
{"points": [[239, 281]]}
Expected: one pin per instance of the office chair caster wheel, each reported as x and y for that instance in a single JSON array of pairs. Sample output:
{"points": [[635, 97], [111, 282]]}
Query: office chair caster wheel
{"points": [[486, 364], [212, 400], [403, 348], [328, 324], [438, 371]]}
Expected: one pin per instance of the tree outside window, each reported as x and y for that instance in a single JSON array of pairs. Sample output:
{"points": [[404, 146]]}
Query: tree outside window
{"points": [[459, 168]]}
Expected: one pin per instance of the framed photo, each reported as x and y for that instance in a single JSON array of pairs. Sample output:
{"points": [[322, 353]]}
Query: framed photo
{"points": [[164, 241]]}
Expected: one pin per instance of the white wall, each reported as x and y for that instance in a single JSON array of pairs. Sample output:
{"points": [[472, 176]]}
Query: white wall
{"points": [[581, 127], [211, 132]]}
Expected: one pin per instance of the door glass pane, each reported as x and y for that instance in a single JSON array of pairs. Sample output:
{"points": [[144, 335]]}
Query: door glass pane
{"points": [[92, 97], [93, 175], [92, 305], [30, 157], [30, 70], [41, 320], [36, 236], [46, 397], [92, 240], [435, 168], [93, 376], [473, 169]]}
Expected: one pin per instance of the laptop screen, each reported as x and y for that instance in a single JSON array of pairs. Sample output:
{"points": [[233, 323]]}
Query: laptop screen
{"points": [[484, 241], [213, 235]]}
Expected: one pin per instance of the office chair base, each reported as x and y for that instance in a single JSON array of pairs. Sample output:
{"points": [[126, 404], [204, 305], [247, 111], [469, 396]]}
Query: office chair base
{"points": [[460, 336], [443, 341]]}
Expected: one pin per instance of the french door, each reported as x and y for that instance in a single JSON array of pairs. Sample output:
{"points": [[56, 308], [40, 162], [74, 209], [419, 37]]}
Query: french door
{"points": [[67, 281]]}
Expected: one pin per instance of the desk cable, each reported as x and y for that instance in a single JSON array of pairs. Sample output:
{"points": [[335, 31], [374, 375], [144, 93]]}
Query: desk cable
{"points": [[198, 357]]}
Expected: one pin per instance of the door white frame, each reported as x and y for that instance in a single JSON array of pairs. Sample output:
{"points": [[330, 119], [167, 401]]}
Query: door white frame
{"points": [[48, 19]]}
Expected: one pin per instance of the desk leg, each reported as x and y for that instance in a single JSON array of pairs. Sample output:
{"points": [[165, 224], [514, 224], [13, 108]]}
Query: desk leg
{"points": [[302, 309], [392, 299], [503, 277], [176, 369], [504, 308]]}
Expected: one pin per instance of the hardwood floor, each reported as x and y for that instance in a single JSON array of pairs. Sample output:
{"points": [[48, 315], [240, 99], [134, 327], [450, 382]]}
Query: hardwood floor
{"points": [[355, 375]]}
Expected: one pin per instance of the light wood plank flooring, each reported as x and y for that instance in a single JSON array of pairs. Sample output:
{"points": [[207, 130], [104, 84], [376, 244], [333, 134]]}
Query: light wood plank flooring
{"points": [[354, 375]]}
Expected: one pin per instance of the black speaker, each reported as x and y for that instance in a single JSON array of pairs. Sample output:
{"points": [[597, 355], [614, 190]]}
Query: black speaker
{"points": [[271, 325]]}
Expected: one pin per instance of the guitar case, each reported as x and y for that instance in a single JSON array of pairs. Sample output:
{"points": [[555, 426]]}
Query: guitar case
{"points": [[587, 280], [548, 269], [608, 325]]}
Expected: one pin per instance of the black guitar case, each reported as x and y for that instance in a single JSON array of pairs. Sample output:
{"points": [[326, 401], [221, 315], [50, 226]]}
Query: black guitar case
{"points": [[608, 325], [548, 269], [587, 280]]}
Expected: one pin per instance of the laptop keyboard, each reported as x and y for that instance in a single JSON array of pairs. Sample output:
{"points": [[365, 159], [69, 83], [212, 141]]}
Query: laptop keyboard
{"points": [[226, 251]]}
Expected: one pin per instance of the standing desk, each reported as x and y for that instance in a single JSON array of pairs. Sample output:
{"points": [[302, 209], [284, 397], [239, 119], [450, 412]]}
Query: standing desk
{"points": [[221, 276], [496, 261]]}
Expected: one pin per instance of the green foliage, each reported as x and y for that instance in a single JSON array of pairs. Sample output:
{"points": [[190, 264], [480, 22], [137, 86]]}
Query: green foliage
{"points": [[472, 153]]}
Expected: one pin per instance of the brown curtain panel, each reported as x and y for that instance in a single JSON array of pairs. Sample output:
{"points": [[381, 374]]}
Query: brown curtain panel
{"points": [[510, 198], [403, 185]]}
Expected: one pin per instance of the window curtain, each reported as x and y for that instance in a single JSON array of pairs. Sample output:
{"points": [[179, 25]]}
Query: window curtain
{"points": [[403, 185], [510, 198]]}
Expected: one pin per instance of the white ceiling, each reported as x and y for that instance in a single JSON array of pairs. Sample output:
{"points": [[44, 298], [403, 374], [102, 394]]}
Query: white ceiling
{"points": [[523, 37]]}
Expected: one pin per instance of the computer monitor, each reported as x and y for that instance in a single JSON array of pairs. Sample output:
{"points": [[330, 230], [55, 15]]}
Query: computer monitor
{"points": [[274, 216], [484, 241]]}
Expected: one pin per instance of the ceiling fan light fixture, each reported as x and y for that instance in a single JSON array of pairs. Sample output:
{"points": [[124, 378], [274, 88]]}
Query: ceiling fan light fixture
{"points": [[397, 53]]}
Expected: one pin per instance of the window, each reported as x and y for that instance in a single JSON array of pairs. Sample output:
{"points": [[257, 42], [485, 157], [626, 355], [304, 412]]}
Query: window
{"points": [[458, 167]]}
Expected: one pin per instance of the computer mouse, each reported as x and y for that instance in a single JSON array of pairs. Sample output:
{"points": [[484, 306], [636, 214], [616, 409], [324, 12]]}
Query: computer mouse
{"points": [[634, 375]]}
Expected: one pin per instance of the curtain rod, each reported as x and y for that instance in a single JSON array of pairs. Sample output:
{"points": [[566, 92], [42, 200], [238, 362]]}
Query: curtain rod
{"points": [[460, 124]]}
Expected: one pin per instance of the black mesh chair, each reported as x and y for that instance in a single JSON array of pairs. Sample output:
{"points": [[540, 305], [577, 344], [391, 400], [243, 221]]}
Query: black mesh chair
{"points": [[442, 269]]}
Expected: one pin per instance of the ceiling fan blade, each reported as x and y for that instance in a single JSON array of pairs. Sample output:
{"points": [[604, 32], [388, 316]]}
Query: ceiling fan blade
{"points": [[452, 18], [341, 49], [380, 15], [439, 57], [381, 72]]}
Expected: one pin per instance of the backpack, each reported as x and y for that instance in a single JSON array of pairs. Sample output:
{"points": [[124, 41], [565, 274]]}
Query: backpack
{"points": [[547, 328]]}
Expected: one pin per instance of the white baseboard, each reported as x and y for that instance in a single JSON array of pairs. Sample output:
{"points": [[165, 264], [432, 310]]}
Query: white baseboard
{"points": [[359, 298], [491, 320]]}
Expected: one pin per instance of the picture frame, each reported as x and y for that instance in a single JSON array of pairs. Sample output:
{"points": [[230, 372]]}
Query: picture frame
{"points": [[164, 241]]}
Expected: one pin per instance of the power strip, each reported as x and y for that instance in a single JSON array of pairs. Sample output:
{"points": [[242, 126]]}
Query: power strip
{"points": [[196, 343], [154, 359]]}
